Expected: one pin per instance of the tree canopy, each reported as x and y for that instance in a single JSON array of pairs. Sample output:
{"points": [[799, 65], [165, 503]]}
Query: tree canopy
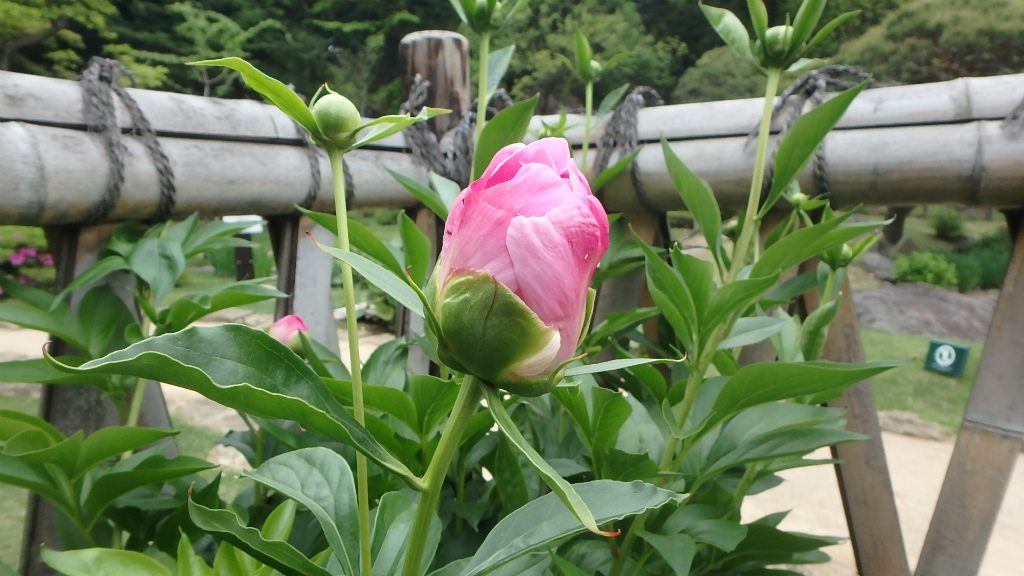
{"points": [[353, 44]]}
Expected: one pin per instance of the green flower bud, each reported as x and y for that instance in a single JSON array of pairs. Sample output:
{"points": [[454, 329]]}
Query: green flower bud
{"points": [[839, 257], [595, 69], [772, 54], [337, 118], [797, 199], [488, 331]]}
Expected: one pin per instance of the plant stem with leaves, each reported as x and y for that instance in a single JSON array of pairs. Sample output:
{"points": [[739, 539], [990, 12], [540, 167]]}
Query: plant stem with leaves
{"points": [[481, 85], [749, 226], [588, 112], [362, 480], [433, 480]]}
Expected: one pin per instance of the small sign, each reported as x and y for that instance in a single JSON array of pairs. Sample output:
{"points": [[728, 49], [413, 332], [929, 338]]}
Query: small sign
{"points": [[946, 358]]}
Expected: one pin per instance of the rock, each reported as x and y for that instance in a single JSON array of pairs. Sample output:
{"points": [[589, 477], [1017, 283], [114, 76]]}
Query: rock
{"points": [[927, 310]]}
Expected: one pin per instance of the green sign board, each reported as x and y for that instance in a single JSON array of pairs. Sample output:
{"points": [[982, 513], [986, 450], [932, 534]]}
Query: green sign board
{"points": [[946, 358]]}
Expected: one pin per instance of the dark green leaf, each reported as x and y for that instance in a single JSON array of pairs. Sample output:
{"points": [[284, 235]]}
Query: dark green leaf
{"points": [[392, 284], [558, 485], [809, 242], [507, 127], [611, 365], [272, 89], [38, 370], [102, 562], [697, 196], [185, 311], [747, 331], [806, 20], [830, 27], [94, 273], [281, 555], [771, 381], [609, 173], [546, 520], [134, 472], [800, 142], [730, 29], [672, 297], [417, 249], [497, 64], [428, 197], [387, 125], [61, 322], [610, 101], [677, 550], [248, 370], [320, 480]]}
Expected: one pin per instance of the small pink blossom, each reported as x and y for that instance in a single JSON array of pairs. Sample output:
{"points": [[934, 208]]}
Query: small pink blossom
{"points": [[16, 258], [29, 251], [46, 259], [286, 330]]}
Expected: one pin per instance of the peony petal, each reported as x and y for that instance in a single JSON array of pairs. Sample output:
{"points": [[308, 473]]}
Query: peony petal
{"points": [[554, 257]]}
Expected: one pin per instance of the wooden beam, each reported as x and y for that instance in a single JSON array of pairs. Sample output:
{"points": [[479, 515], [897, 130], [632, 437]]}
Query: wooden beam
{"points": [[990, 439], [862, 471]]}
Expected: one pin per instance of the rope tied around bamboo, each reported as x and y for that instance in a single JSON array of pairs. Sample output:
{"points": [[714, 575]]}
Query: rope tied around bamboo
{"points": [[100, 81]]}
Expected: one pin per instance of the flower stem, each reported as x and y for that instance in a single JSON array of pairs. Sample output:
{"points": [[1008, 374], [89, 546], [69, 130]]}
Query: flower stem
{"points": [[362, 481], [588, 112], [135, 408], [754, 200], [426, 508], [481, 87]]}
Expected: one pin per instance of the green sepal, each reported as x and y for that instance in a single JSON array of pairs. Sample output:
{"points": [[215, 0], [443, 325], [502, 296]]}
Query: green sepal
{"points": [[487, 331]]}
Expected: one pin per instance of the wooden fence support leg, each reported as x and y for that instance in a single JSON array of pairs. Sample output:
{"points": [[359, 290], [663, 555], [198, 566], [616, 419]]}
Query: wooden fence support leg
{"points": [[862, 471], [441, 58], [989, 441], [304, 273], [629, 290], [72, 407]]}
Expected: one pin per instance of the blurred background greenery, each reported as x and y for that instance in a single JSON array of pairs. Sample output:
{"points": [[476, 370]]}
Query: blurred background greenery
{"points": [[353, 44]]}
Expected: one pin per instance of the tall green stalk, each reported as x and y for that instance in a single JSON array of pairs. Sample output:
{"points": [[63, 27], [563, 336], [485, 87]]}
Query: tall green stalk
{"points": [[433, 480], [588, 113], [701, 361], [362, 481], [754, 200], [481, 86]]}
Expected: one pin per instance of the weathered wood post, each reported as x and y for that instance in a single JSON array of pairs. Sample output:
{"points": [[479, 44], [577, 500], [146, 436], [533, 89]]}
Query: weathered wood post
{"points": [[862, 470], [441, 58], [72, 407], [990, 438]]}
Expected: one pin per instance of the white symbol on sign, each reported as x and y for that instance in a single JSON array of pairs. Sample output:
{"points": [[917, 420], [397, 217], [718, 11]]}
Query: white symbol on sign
{"points": [[944, 356]]}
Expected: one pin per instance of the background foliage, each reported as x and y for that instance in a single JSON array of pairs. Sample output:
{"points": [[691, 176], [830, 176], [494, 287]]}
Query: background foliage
{"points": [[354, 45]]}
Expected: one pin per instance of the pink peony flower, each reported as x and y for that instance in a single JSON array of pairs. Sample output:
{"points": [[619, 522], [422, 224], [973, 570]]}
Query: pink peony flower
{"points": [[286, 330], [527, 235]]}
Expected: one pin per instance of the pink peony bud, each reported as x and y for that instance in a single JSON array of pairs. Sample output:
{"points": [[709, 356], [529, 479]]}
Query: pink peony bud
{"points": [[520, 247], [286, 330]]}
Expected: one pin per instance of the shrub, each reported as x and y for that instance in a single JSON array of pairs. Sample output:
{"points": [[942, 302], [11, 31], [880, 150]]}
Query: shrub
{"points": [[948, 223], [927, 267], [983, 264]]}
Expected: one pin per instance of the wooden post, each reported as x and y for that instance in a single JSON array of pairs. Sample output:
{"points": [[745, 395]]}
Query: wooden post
{"points": [[862, 471], [304, 273], [73, 407], [990, 438], [629, 290], [441, 58]]}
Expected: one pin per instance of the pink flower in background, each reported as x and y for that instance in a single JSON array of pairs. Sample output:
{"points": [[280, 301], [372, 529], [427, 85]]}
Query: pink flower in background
{"points": [[28, 251], [26, 280], [286, 330], [17, 258], [46, 259], [528, 226]]}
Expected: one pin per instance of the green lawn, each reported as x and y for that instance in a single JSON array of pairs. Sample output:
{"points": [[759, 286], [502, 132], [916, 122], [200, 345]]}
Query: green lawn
{"points": [[933, 397]]}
